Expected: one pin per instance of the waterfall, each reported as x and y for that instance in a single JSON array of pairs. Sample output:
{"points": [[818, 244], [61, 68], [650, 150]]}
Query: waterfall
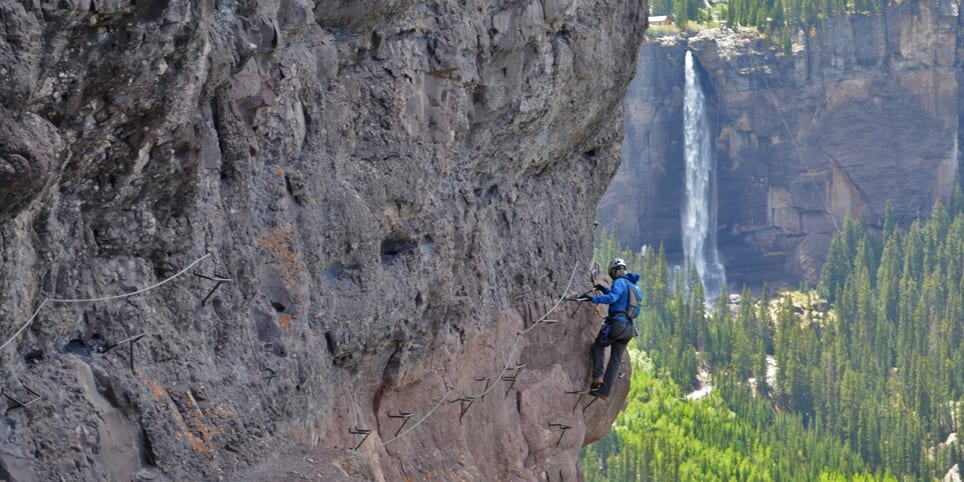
{"points": [[699, 212]]}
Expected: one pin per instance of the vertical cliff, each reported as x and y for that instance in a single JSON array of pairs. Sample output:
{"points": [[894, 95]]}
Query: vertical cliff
{"points": [[395, 192], [862, 110]]}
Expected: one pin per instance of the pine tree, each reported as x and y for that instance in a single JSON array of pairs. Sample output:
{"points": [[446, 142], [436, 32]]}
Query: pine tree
{"points": [[863, 391], [957, 199], [681, 12]]}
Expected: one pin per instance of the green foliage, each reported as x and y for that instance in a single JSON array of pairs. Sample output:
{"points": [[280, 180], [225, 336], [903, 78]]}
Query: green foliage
{"points": [[870, 378], [779, 19], [730, 435]]}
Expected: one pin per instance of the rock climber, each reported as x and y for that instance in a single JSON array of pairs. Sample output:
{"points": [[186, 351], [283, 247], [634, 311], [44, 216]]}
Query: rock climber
{"points": [[623, 298]]}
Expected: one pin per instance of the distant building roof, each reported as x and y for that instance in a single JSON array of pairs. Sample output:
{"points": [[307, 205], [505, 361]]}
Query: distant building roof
{"points": [[657, 19]]}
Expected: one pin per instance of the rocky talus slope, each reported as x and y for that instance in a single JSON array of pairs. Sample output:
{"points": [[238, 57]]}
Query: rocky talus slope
{"points": [[861, 110], [395, 190]]}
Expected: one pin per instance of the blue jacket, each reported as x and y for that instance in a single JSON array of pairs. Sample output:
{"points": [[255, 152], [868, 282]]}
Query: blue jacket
{"points": [[618, 296]]}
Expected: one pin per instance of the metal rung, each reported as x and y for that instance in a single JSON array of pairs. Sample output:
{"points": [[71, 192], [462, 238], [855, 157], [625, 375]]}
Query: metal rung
{"points": [[360, 431], [219, 281], [269, 376], [562, 427], [464, 404], [213, 278], [404, 415], [132, 339], [18, 402], [487, 381]]}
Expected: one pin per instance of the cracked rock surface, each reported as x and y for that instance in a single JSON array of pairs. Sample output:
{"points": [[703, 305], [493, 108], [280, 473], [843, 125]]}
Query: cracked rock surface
{"points": [[395, 190]]}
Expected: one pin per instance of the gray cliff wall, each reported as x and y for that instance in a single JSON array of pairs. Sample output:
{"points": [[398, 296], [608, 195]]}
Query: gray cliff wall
{"points": [[863, 111], [396, 189]]}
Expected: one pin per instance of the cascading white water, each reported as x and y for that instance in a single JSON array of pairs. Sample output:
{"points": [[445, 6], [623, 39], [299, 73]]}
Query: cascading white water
{"points": [[699, 212]]}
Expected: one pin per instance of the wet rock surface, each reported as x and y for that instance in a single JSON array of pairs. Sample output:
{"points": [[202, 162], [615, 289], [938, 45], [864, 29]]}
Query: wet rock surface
{"points": [[393, 190]]}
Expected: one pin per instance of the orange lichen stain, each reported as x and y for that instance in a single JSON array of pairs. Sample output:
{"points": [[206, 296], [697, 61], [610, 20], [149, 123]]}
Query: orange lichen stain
{"points": [[197, 426], [157, 390], [220, 412], [347, 466], [203, 424], [285, 321], [201, 444], [279, 243], [279, 171], [200, 435]]}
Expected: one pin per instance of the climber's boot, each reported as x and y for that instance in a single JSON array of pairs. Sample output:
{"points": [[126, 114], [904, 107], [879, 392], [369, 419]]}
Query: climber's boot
{"points": [[596, 384]]}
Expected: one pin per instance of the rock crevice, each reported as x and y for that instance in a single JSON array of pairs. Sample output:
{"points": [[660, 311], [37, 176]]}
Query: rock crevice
{"points": [[395, 189]]}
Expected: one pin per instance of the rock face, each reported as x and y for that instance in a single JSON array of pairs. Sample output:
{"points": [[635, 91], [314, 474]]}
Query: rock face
{"points": [[862, 111], [396, 190]]}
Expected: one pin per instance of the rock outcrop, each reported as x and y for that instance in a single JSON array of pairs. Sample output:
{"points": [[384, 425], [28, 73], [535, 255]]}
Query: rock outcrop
{"points": [[396, 191], [861, 111]]}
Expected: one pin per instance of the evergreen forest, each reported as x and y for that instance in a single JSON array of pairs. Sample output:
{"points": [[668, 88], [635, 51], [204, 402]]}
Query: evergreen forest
{"points": [[778, 19], [860, 378]]}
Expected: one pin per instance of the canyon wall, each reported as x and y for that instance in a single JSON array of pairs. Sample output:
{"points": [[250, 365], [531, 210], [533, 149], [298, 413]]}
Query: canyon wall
{"points": [[858, 112], [239, 239]]}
